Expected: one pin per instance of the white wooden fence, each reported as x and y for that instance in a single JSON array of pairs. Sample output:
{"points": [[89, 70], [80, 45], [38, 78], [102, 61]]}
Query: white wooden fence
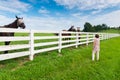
{"points": [[59, 43]]}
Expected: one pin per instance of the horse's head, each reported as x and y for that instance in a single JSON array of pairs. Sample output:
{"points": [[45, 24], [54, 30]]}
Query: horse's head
{"points": [[20, 22], [78, 29], [72, 29]]}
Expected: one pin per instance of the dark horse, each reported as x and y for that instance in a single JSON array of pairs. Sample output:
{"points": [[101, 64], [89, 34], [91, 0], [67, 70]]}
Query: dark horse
{"points": [[17, 23], [72, 28], [78, 30]]}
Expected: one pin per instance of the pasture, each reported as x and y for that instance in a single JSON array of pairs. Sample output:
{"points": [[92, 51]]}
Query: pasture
{"points": [[111, 31], [36, 41], [72, 64]]}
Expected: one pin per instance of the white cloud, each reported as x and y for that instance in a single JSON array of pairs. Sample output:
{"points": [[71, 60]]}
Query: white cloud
{"points": [[39, 1], [111, 19], [15, 6], [5, 20], [60, 23], [9, 9], [76, 14], [43, 11], [88, 4], [96, 11], [48, 23]]}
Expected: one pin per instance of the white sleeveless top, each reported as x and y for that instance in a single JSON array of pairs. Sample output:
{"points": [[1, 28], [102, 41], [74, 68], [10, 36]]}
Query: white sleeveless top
{"points": [[96, 44]]}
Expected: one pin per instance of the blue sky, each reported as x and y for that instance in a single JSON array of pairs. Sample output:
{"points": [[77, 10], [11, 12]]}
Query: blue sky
{"points": [[60, 14]]}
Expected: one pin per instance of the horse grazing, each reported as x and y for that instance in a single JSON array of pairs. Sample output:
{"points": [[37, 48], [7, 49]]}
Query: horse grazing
{"points": [[17, 23]]}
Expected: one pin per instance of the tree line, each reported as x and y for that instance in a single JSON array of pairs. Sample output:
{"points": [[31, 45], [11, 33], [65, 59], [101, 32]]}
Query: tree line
{"points": [[96, 28]]}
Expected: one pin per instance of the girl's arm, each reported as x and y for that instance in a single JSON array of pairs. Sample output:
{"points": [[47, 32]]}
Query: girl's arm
{"points": [[94, 43]]}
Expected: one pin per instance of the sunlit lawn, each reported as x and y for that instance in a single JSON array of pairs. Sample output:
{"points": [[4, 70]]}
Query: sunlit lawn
{"points": [[74, 64]]}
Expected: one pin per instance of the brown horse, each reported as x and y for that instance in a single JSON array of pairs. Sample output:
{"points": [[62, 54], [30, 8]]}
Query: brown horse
{"points": [[78, 30], [72, 28], [17, 23], [67, 34]]}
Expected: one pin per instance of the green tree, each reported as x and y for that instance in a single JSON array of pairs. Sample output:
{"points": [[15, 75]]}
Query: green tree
{"points": [[104, 27], [119, 29], [88, 27], [96, 28]]}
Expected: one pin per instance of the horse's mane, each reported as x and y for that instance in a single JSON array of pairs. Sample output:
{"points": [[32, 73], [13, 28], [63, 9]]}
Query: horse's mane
{"points": [[11, 25], [70, 28]]}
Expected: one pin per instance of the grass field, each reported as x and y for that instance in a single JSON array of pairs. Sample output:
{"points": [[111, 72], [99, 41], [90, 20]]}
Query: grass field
{"points": [[111, 31], [74, 64]]}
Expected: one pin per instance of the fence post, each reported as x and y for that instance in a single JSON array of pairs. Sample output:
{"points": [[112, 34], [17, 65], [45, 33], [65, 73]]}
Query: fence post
{"points": [[60, 42], [106, 36], [87, 38], [31, 56], [109, 35], [102, 37], [93, 37], [76, 39]]}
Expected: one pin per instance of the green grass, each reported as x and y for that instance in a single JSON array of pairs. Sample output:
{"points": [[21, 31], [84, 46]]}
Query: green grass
{"points": [[111, 31], [74, 64], [27, 42]]}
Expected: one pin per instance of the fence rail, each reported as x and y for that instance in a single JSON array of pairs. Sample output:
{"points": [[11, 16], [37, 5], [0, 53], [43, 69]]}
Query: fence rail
{"points": [[52, 42]]}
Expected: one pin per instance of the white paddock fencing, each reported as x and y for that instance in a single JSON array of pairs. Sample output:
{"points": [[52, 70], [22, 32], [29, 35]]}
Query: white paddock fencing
{"points": [[33, 43]]}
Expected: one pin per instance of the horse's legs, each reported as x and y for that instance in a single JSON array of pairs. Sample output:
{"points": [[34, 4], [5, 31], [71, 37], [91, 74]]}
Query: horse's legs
{"points": [[69, 38], [6, 43], [79, 39]]}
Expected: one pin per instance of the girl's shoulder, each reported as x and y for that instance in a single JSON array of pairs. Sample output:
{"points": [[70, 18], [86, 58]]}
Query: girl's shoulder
{"points": [[96, 39]]}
